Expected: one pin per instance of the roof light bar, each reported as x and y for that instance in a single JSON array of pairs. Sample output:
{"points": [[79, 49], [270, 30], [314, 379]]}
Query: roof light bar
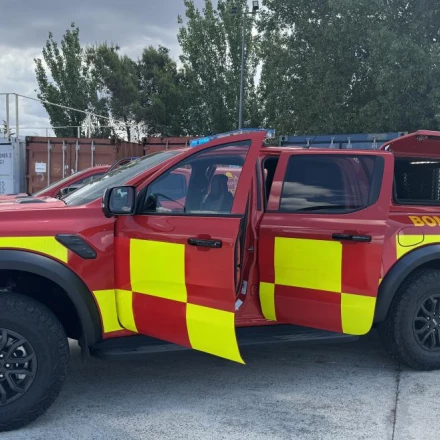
{"points": [[270, 134]]}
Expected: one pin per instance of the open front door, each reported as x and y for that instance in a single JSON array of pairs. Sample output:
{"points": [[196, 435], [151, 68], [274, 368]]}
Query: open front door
{"points": [[321, 239], [177, 257]]}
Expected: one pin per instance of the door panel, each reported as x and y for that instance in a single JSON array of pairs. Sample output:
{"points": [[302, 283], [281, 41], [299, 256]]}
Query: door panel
{"points": [[180, 293], [315, 273], [176, 271]]}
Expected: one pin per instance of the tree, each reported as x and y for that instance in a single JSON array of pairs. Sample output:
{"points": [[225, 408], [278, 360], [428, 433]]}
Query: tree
{"points": [[116, 77], [161, 93], [339, 66], [4, 130], [211, 56], [67, 81]]}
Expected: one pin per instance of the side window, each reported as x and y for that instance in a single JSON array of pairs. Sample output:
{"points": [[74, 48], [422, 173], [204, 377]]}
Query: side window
{"points": [[331, 183], [417, 181], [269, 167], [203, 184]]}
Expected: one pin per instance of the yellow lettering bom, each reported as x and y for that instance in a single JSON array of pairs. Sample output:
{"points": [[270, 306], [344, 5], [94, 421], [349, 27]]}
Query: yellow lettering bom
{"points": [[425, 220]]}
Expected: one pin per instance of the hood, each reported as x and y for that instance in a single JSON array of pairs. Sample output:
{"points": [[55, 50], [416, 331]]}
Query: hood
{"points": [[422, 143], [30, 204]]}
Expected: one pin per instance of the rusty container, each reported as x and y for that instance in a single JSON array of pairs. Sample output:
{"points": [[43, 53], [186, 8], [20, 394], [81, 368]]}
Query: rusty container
{"points": [[152, 144], [52, 159]]}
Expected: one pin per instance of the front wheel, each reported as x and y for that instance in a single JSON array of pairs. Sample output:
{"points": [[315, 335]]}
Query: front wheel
{"points": [[34, 356], [411, 332]]}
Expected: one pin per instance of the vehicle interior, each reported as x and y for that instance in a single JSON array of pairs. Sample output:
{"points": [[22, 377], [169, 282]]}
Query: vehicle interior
{"points": [[199, 186]]}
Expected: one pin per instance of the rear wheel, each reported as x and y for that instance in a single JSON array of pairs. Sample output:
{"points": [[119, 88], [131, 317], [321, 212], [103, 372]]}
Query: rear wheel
{"points": [[411, 333], [34, 356]]}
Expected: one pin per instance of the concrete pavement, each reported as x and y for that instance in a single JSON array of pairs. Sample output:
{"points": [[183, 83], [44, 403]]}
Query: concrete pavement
{"points": [[343, 391]]}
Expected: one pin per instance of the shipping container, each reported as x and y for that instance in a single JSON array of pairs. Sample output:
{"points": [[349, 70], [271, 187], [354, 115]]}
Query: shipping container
{"points": [[52, 159], [152, 144]]}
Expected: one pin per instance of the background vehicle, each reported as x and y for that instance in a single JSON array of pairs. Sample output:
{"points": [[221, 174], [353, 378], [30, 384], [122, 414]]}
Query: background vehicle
{"points": [[165, 251], [72, 183], [66, 185]]}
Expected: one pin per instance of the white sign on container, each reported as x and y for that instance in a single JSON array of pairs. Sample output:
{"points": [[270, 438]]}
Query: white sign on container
{"points": [[40, 167]]}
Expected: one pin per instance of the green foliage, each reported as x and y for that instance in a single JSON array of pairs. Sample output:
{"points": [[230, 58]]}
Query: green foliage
{"points": [[327, 66], [4, 129], [161, 93], [211, 42], [116, 78], [335, 66], [67, 82]]}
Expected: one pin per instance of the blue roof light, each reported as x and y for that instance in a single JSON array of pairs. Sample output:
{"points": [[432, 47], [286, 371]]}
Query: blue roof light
{"points": [[204, 140]]}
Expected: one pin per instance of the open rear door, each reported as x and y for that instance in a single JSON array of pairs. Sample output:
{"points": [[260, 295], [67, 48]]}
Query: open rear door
{"points": [[321, 239], [177, 257], [422, 143]]}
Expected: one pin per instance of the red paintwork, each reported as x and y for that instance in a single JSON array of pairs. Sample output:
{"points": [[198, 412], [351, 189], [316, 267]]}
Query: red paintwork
{"points": [[209, 273], [54, 189], [422, 143]]}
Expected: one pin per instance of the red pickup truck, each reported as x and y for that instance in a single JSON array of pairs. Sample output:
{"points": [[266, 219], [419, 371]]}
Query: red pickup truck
{"points": [[163, 253]]}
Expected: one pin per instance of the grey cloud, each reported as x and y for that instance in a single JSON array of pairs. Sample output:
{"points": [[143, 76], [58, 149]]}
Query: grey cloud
{"points": [[25, 24]]}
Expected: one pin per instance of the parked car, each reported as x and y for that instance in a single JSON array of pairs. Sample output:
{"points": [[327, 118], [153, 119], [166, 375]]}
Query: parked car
{"points": [[64, 186]]}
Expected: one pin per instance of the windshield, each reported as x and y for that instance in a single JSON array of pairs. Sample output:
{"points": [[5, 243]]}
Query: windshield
{"points": [[55, 184], [117, 177]]}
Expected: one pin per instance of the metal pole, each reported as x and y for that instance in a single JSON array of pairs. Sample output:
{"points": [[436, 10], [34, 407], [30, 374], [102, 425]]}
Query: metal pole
{"points": [[64, 158], [243, 43], [17, 124], [92, 150], [49, 147], [78, 132], [8, 131], [76, 156]]}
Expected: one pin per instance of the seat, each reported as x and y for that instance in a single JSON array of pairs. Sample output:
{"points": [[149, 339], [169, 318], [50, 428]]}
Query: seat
{"points": [[219, 199]]}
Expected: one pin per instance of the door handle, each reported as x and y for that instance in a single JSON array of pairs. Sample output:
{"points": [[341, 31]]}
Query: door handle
{"points": [[351, 237], [203, 242]]}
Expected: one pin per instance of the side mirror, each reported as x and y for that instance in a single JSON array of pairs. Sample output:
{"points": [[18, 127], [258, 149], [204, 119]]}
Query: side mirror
{"points": [[120, 200]]}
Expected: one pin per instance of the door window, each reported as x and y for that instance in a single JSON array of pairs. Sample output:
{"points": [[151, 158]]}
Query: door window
{"points": [[203, 184], [325, 184]]}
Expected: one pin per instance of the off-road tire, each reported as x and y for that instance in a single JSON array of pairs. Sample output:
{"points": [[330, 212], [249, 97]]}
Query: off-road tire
{"points": [[39, 326], [396, 332]]}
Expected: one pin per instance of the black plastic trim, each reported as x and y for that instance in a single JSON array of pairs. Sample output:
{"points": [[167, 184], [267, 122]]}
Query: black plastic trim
{"points": [[75, 288], [398, 273], [259, 192], [30, 199], [77, 245]]}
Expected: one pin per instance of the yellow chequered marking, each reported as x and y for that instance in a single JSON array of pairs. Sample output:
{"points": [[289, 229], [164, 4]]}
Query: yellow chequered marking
{"points": [[311, 264], [158, 269], [267, 300], [213, 331], [407, 243], [124, 302], [357, 313], [107, 305], [43, 245]]}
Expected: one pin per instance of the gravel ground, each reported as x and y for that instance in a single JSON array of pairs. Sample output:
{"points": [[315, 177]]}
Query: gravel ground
{"points": [[344, 391]]}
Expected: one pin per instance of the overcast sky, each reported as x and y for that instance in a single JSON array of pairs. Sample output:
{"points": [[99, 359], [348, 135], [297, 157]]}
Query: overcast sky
{"points": [[24, 28]]}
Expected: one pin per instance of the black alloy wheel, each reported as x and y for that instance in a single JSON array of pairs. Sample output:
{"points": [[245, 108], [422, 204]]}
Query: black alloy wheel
{"points": [[18, 366]]}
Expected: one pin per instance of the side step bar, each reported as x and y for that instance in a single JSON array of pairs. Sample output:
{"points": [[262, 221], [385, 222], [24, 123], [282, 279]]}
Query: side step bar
{"points": [[134, 347]]}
